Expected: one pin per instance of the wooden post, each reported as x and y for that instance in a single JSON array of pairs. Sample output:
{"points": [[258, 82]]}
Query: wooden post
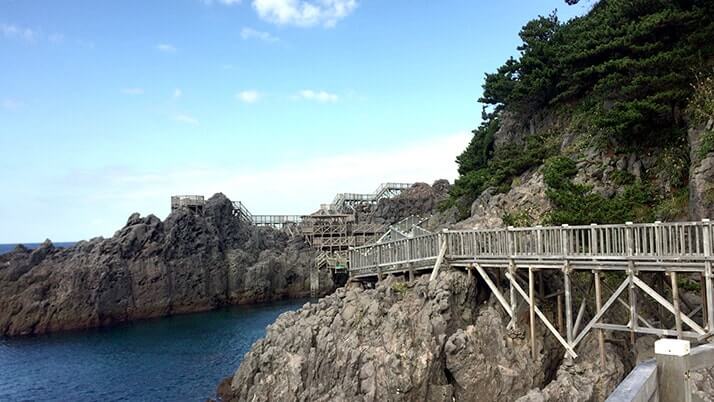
{"points": [[411, 272], [593, 239], [568, 305], [675, 304], [632, 288], [703, 294], [708, 286], [566, 285], [598, 307], [531, 297], [560, 312], [514, 301]]}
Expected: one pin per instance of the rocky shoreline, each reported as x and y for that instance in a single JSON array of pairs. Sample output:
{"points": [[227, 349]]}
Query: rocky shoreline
{"points": [[442, 340], [152, 268]]}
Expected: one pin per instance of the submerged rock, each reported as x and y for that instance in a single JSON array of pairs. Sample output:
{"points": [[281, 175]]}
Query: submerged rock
{"points": [[150, 268]]}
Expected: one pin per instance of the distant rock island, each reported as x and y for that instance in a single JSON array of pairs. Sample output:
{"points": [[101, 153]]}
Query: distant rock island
{"points": [[189, 262], [149, 268]]}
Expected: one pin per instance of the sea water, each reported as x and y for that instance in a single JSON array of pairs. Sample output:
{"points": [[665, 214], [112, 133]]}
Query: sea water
{"points": [[179, 358]]}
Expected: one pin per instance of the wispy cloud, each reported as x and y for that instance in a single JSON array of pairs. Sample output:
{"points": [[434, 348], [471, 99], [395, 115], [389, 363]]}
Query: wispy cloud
{"points": [[249, 96], [304, 13], [224, 2], [250, 33], [11, 31], [10, 104], [178, 93], [166, 48], [185, 119], [317, 96], [132, 91]]}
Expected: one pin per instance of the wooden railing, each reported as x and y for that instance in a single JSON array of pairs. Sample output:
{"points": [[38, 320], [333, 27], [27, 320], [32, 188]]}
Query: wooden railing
{"points": [[686, 241]]}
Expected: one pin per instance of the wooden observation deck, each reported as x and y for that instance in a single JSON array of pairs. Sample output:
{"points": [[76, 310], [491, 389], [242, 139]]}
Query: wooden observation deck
{"points": [[630, 257]]}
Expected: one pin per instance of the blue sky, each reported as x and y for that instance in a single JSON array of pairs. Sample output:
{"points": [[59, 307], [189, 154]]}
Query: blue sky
{"points": [[107, 108]]}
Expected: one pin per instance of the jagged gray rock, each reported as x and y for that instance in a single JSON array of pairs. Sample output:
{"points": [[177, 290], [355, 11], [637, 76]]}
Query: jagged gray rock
{"points": [[421, 200], [583, 380], [435, 341], [701, 175], [151, 268]]}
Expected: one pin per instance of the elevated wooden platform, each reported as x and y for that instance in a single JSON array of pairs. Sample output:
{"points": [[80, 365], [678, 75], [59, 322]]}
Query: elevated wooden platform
{"points": [[629, 256]]}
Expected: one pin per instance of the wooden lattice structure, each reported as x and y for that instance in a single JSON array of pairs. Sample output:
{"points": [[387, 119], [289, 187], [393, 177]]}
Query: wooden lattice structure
{"points": [[195, 203], [623, 264]]}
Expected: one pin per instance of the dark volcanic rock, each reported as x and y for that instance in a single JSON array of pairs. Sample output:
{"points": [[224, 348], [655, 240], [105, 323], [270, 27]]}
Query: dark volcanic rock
{"points": [[151, 268], [420, 341]]}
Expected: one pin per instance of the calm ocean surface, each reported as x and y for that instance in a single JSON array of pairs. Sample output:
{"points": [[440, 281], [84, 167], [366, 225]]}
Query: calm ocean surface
{"points": [[179, 358], [6, 248]]}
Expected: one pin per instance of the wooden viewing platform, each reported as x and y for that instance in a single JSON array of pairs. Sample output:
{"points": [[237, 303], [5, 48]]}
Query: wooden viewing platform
{"points": [[622, 254]]}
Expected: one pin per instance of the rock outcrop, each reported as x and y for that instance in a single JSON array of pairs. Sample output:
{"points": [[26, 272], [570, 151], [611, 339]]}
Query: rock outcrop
{"points": [[421, 200], [150, 268], [701, 174], [442, 340]]}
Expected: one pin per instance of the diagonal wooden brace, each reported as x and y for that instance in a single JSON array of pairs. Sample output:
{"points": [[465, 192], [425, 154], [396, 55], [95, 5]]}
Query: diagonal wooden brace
{"points": [[542, 316], [666, 304]]}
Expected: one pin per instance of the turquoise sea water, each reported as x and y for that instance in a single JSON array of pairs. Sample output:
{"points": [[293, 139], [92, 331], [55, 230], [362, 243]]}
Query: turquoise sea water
{"points": [[180, 358]]}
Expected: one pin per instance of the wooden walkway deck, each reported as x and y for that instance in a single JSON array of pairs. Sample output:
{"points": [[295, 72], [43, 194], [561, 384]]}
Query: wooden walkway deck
{"points": [[517, 254]]}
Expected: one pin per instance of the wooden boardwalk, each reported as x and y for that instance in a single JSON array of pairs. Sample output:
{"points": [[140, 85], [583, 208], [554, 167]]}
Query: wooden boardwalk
{"points": [[629, 256]]}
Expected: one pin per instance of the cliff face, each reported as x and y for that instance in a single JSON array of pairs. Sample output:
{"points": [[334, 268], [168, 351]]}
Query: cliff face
{"points": [[435, 341], [151, 268]]}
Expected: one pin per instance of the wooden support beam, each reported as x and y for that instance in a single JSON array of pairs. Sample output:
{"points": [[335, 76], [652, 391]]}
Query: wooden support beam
{"points": [[560, 312], [598, 308], [510, 275], [602, 312], [708, 285], [439, 260], [581, 310], [666, 304], [633, 301], [627, 306], [703, 306], [542, 316], [531, 305], [675, 304], [494, 289], [568, 304]]}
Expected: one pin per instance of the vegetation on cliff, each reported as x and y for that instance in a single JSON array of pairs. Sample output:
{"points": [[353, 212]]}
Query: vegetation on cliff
{"points": [[629, 76]]}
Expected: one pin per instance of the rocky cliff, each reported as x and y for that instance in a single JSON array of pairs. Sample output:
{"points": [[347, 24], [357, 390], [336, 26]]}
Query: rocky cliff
{"points": [[442, 340], [152, 268]]}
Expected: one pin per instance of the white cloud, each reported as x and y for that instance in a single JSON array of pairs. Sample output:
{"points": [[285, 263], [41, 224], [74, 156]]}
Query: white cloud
{"points": [[249, 96], [132, 91], [250, 33], [304, 13], [178, 93], [166, 48], [11, 31], [224, 2], [185, 119], [317, 96], [10, 104]]}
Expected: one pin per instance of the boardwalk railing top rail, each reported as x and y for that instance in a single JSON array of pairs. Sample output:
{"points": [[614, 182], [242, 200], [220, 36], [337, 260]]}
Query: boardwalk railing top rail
{"points": [[681, 241]]}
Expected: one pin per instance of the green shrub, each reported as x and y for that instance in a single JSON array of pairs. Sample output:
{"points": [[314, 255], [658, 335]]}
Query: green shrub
{"points": [[701, 104], [577, 204], [706, 144], [517, 218]]}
